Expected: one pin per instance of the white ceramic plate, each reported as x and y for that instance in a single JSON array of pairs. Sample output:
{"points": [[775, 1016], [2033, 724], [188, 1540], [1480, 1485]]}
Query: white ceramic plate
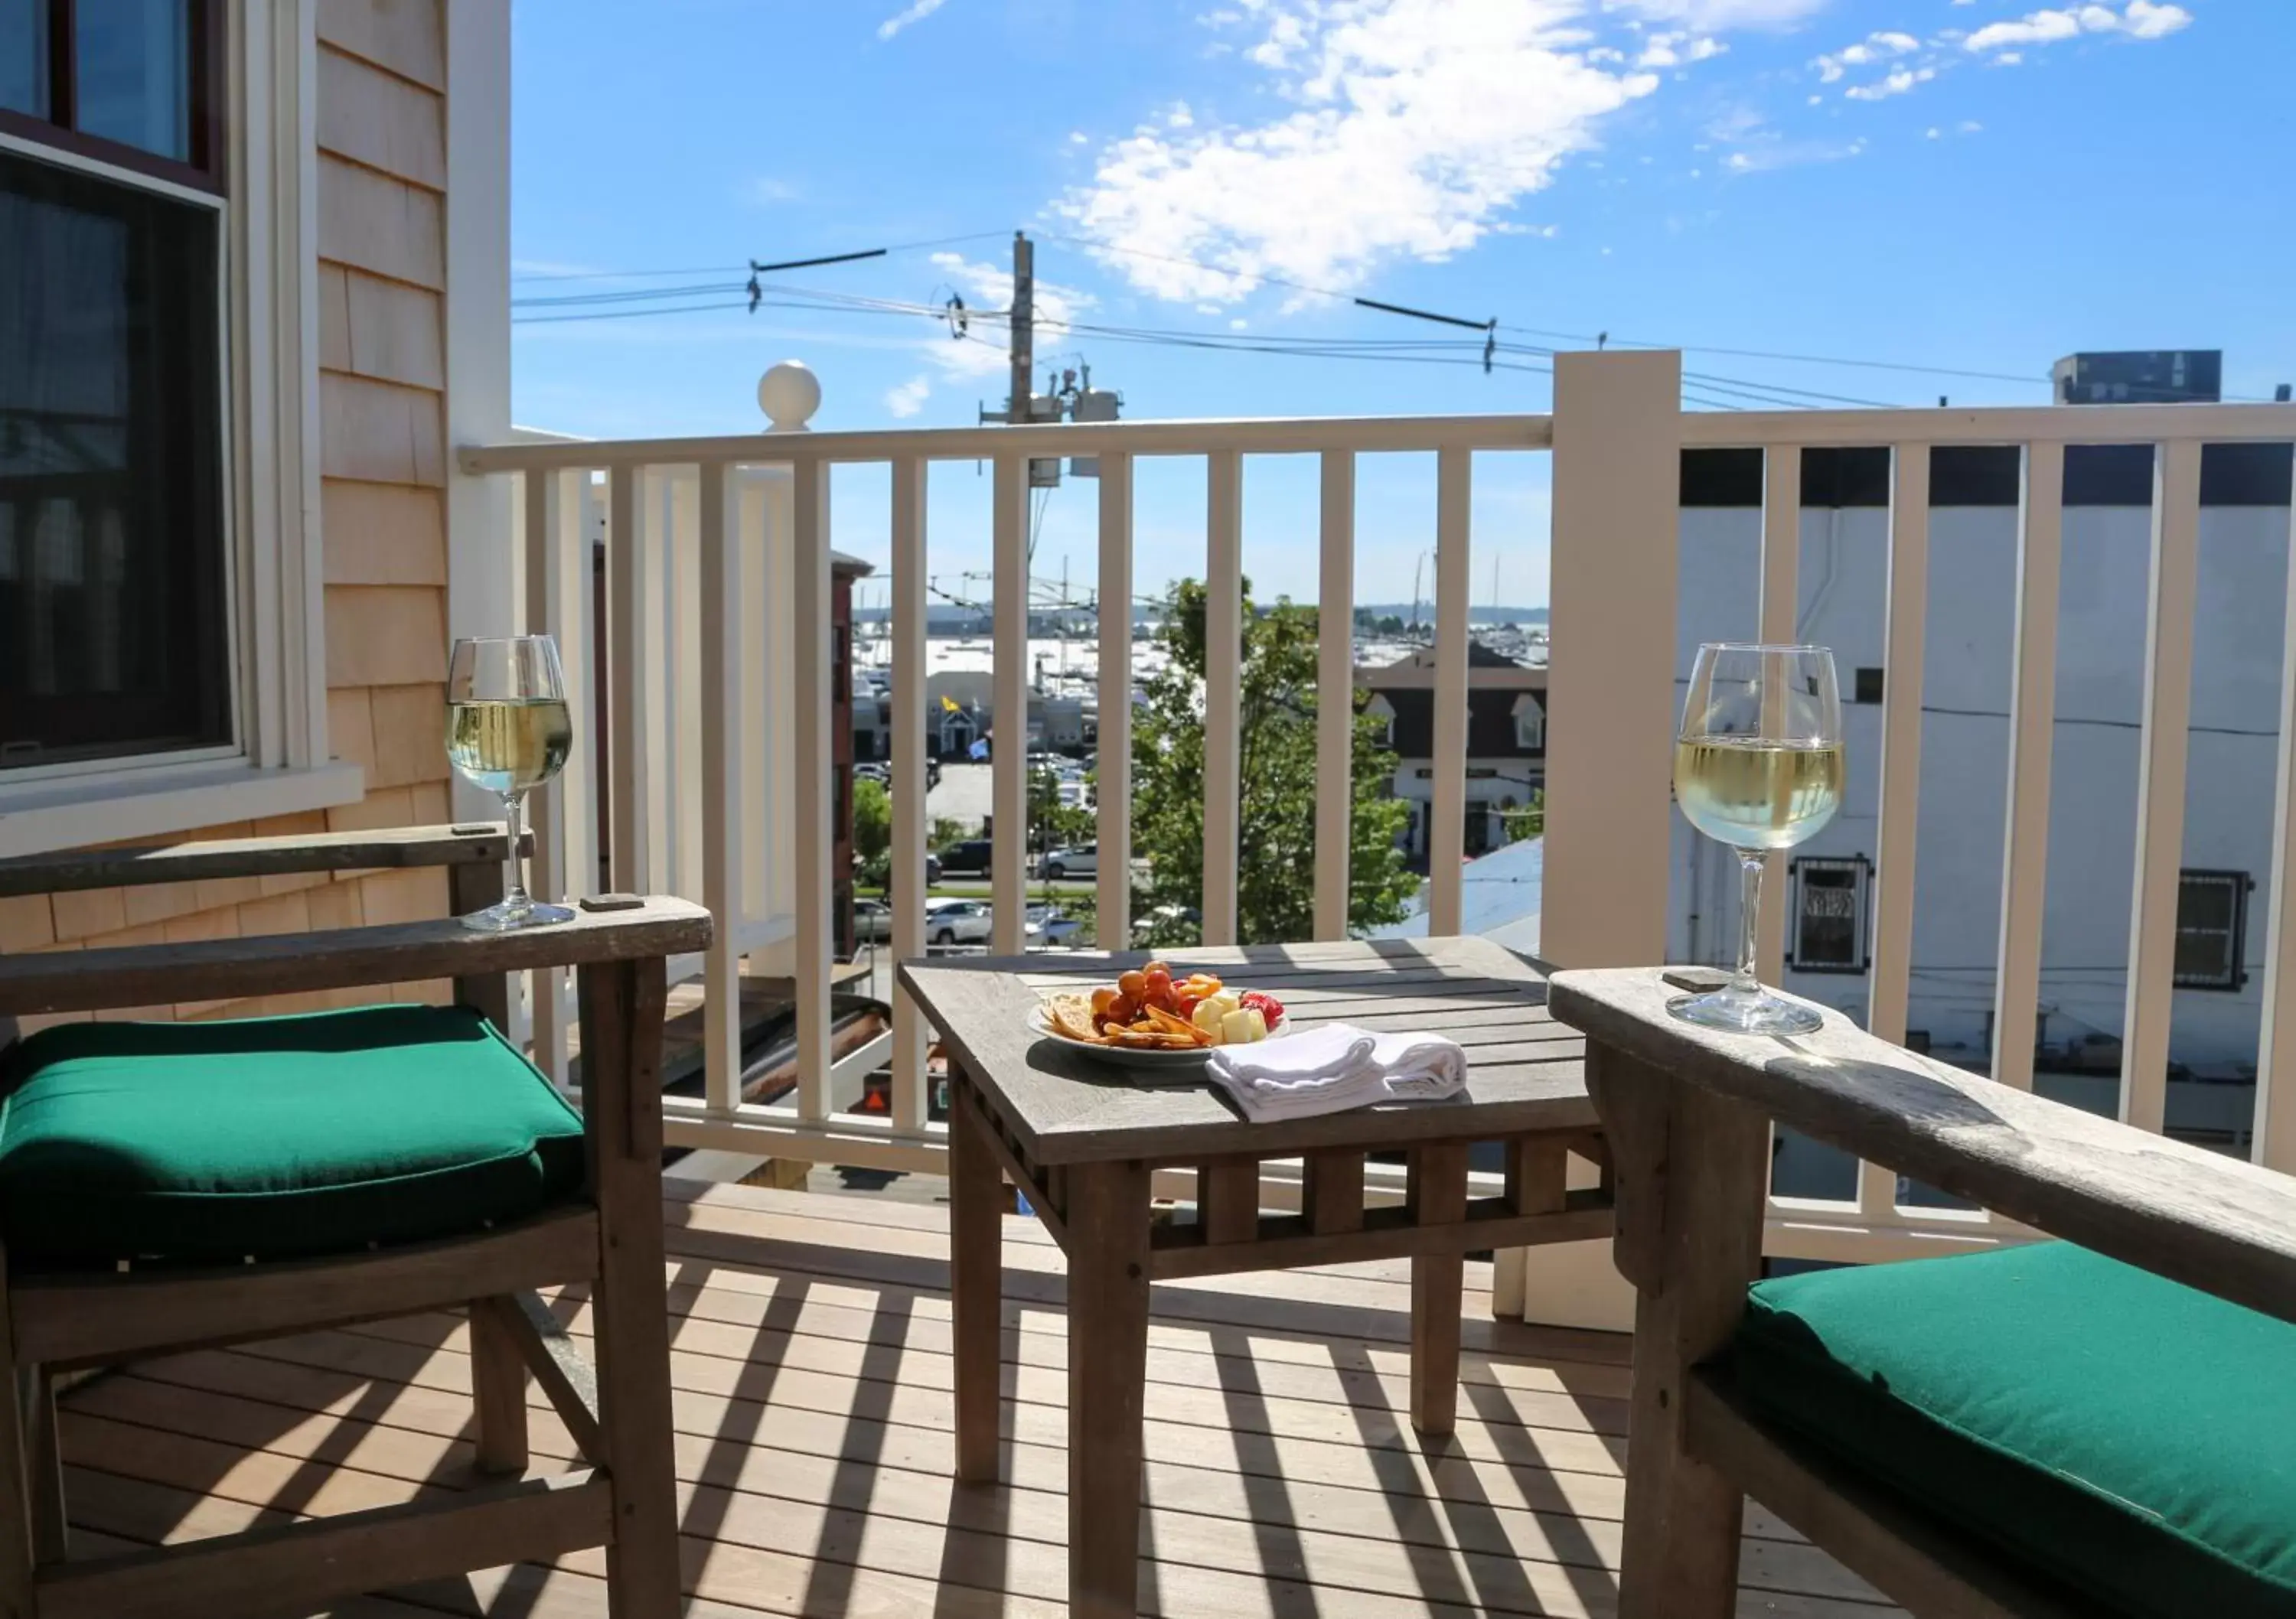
{"points": [[1180, 1064]]}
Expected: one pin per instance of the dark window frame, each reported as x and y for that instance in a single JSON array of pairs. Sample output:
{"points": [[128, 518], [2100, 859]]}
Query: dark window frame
{"points": [[205, 94], [1860, 886], [132, 731], [2235, 886]]}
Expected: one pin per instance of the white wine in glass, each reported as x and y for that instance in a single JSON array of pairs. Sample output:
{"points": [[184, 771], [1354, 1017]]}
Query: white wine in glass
{"points": [[1757, 765], [509, 730]]}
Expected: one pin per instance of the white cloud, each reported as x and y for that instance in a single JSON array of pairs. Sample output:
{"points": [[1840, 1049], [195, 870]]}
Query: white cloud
{"points": [[1719, 14], [1896, 84], [766, 191], [1413, 127], [917, 10], [1760, 156], [2140, 20], [907, 398], [1968, 125], [1673, 50], [1875, 48]]}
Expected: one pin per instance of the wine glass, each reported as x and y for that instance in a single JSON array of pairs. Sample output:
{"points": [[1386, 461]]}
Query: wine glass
{"points": [[509, 730], [1757, 765]]}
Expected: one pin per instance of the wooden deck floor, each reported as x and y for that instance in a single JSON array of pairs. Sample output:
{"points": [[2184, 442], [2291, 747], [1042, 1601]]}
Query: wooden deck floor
{"points": [[814, 1418]]}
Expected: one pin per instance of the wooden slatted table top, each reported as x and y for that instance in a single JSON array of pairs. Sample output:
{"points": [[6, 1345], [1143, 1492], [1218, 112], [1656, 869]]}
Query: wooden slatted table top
{"points": [[1525, 1070]]}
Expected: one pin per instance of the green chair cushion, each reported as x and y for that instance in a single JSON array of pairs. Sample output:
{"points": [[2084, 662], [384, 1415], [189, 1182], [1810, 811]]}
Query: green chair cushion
{"points": [[273, 1137], [2132, 1438]]}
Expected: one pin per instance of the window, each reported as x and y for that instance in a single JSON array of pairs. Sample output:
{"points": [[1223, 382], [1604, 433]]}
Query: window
{"points": [[132, 82], [1382, 712], [114, 636], [1868, 686], [1529, 724], [2211, 928], [1829, 914]]}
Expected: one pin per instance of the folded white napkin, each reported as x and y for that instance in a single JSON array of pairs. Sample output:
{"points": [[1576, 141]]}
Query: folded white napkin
{"points": [[1336, 1067]]}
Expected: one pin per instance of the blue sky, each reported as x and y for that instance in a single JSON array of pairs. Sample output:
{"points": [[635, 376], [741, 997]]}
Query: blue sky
{"points": [[1976, 185]]}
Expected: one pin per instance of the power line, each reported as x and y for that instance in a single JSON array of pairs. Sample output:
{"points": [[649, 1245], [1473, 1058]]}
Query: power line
{"points": [[898, 247]]}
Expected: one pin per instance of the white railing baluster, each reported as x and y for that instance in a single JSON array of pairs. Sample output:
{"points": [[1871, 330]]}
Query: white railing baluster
{"points": [[815, 837], [757, 747], [1889, 977], [544, 508], [689, 675], [2171, 598], [2274, 1143], [1446, 834], [1112, 911], [910, 724], [1335, 706], [1781, 608], [2032, 728], [624, 686], [582, 650], [783, 776], [1009, 750], [724, 810], [1223, 690]]}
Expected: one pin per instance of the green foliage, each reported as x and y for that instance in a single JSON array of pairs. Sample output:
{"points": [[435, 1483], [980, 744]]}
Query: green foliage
{"points": [[1276, 879], [1529, 822], [945, 830], [873, 830]]}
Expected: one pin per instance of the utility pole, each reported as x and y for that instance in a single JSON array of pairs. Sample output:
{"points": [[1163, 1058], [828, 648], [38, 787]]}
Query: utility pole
{"points": [[1018, 406]]}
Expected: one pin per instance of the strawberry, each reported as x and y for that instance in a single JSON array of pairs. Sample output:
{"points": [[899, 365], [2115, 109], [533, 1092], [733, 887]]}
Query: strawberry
{"points": [[1266, 1005]]}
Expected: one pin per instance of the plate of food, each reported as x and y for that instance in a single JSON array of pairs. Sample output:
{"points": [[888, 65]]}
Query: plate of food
{"points": [[1151, 1017]]}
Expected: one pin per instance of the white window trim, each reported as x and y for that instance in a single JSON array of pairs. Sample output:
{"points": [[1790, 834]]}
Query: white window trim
{"points": [[278, 763]]}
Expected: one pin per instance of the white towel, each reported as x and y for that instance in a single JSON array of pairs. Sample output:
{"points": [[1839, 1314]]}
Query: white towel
{"points": [[1336, 1067]]}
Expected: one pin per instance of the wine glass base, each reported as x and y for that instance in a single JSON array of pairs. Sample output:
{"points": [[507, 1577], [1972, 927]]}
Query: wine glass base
{"points": [[1759, 1013], [508, 918]]}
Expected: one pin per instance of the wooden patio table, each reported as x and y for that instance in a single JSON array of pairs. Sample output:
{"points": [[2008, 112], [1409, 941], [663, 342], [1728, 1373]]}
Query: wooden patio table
{"points": [[1082, 1138]]}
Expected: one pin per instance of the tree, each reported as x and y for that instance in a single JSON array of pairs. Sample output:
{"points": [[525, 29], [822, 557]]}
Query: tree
{"points": [[1528, 821], [872, 829], [1276, 841]]}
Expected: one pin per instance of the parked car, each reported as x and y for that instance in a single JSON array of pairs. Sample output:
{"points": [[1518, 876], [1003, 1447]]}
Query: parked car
{"points": [[1082, 861], [957, 921], [933, 870], [1049, 925], [972, 856], [873, 918]]}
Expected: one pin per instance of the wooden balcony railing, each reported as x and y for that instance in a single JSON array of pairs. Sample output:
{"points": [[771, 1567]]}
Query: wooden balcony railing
{"points": [[717, 656]]}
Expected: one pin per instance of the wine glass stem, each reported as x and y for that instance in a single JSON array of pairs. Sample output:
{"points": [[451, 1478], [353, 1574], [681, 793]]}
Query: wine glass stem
{"points": [[1750, 912], [515, 894]]}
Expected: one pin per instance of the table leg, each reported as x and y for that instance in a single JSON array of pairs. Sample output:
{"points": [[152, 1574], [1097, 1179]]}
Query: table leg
{"points": [[1108, 1373], [1437, 1197], [976, 1234]]}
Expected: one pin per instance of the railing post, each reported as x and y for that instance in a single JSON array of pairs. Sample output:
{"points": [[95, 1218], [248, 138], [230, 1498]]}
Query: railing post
{"points": [[1446, 835], [812, 696], [910, 722], [725, 809], [2170, 600], [2274, 1143], [1113, 916], [1335, 698], [1610, 731], [1609, 737], [1781, 604], [1223, 691], [626, 794], [1008, 754]]}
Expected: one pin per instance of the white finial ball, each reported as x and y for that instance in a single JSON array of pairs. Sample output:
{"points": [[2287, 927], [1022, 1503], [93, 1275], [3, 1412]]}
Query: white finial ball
{"points": [[789, 394]]}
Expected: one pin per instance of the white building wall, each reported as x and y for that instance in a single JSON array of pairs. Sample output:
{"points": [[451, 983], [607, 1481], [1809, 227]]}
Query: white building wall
{"points": [[1964, 740]]}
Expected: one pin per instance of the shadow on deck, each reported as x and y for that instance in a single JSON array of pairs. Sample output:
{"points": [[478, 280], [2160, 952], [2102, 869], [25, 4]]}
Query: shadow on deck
{"points": [[813, 1413]]}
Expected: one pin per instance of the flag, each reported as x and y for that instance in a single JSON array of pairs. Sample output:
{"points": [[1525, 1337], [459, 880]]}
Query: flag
{"points": [[949, 703]]}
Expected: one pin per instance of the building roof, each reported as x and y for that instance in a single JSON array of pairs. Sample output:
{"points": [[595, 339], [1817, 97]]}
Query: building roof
{"points": [[1498, 898], [1490, 721], [850, 567]]}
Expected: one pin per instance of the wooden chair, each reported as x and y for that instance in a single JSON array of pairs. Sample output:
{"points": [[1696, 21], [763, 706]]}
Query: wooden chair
{"points": [[2097, 1426], [592, 1214]]}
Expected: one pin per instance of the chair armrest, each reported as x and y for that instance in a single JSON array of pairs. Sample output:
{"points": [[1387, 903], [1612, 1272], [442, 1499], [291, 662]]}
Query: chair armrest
{"points": [[2212, 1223], [286, 963], [225, 857]]}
